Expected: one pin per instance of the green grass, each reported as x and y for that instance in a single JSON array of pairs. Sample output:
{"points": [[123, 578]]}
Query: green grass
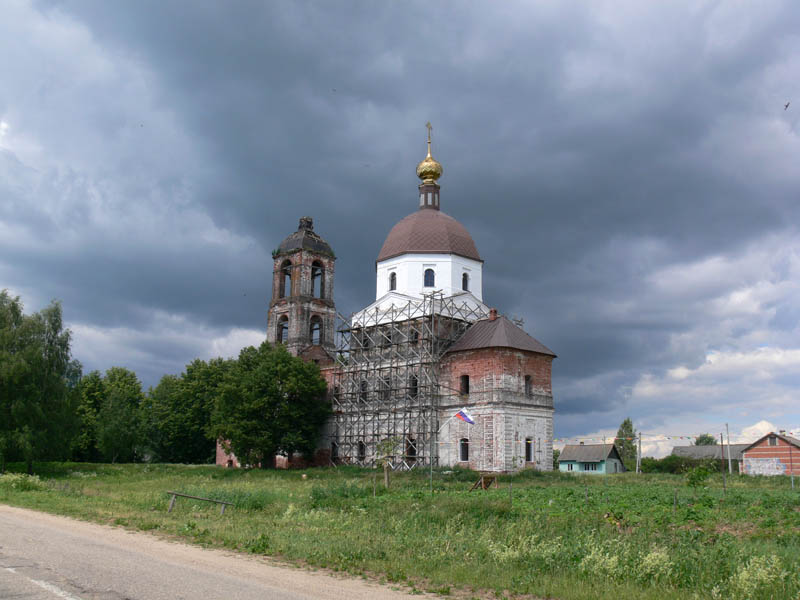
{"points": [[563, 536]]}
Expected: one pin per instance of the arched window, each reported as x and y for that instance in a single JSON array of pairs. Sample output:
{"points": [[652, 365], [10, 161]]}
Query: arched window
{"points": [[316, 331], [430, 278], [386, 390], [283, 330], [463, 450], [411, 450], [464, 389], [528, 386], [528, 450], [465, 282], [317, 279], [392, 281], [362, 451], [413, 387], [285, 279]]}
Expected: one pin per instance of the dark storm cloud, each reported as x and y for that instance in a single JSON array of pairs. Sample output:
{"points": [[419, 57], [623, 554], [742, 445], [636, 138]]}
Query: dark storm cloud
{"points": [[586, 147]]}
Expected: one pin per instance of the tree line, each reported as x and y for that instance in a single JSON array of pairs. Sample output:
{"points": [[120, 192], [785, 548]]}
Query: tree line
{"points": [[262, 403]]}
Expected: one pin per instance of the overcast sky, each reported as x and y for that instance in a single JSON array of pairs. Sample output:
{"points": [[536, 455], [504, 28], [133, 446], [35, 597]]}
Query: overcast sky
{"points": [[628, 171]]}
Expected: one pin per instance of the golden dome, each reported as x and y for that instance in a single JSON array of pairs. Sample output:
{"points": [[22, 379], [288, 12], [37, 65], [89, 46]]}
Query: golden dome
{"points": [[429, 170]]}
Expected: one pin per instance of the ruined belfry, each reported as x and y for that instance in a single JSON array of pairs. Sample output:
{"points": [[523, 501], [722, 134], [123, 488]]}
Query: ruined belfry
{"points": [[399, 369], [302, 313]]}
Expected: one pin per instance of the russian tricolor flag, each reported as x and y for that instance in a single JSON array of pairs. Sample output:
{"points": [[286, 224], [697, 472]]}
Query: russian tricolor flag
{"points": [[464, 416]]}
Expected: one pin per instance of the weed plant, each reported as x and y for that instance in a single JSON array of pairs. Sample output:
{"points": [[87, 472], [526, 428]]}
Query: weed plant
{"points": [[560, 535]]}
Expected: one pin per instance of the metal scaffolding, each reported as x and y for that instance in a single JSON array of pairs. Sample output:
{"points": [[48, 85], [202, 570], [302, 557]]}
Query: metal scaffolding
{"points": [[385, 392]]}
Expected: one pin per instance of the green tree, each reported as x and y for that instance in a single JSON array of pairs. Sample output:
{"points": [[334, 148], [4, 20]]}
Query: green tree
{"points": [[37, 379], [556, 454], [705, 439], [91, 399], [177, 413], [119, 424], [626, 443], [270, 402]]}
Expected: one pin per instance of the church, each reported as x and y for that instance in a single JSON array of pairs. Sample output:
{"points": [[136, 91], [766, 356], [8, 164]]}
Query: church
{"points": [[400, 369]]}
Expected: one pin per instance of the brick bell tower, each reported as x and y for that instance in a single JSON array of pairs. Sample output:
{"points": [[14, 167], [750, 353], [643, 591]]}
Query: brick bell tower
{"points": [[302, 313]]}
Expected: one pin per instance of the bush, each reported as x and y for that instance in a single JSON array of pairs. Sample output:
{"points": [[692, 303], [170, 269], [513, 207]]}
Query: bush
{"points": [[21, 483], [678, 465]]}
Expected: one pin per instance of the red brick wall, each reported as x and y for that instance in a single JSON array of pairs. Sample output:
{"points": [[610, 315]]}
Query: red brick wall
{"points": [[784, 452], [492, 362]]}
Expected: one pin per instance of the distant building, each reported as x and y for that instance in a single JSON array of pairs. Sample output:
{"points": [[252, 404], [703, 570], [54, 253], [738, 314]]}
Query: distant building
{"points": [[590, 458], [773, 454], [714, 451]]}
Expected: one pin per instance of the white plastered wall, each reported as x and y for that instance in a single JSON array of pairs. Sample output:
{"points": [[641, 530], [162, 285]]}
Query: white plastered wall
{"points": [[509, 427], [410, 272]]}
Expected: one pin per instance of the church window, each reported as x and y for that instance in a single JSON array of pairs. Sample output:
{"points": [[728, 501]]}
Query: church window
{"points": [[464, 388], [415, 337], [465, 282], [334, 452], [283, 330], [336, 393], [528, 450], [430, 278], [463, 450], [411, 450], [286, 280], [317, 280], [413, 387], [316, 331], [362, 452], [362, 396], [528, 386], [392, 281]]}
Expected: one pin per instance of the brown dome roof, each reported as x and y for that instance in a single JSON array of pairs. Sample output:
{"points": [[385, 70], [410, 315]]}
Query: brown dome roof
{"points": [[429, 231]]}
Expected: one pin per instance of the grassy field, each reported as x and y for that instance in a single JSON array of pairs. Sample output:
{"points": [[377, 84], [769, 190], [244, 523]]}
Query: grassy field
{"points": [[560, 536]]}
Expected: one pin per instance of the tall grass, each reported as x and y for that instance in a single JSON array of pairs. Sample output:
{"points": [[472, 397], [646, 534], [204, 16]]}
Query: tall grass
{"points": [[624, 536]]}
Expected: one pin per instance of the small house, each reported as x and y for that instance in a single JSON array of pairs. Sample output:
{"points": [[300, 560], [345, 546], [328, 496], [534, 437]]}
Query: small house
{"points": [[590, 458], [773, 454]]}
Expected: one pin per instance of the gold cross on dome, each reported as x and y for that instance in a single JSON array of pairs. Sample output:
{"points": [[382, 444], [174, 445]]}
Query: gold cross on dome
{"points": [[428, 125]]}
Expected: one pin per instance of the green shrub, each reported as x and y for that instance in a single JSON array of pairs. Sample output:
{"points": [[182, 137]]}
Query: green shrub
{"points": [[21, 482]]}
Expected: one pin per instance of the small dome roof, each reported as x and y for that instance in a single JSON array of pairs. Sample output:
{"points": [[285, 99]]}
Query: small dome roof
{"points": [[428, 231], [305, 239]]}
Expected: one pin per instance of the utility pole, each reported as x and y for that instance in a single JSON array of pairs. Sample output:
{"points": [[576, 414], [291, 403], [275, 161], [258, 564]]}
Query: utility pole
{"points": [[730, 464], [722, 457], [639, 455]]}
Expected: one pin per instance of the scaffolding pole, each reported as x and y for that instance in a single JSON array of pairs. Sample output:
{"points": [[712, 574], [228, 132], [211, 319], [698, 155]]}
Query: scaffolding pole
{"points": [[385, 392]]}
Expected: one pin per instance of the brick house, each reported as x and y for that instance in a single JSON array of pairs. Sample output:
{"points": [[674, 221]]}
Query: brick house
{"points": [[773, 454]]}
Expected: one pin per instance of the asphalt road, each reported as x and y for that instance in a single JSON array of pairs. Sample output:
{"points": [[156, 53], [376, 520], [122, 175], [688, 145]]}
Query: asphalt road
{"points": [[45, 557]]}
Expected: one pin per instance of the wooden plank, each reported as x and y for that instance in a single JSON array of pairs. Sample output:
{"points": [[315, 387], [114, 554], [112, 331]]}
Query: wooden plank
{"points": [[199, 498]]}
